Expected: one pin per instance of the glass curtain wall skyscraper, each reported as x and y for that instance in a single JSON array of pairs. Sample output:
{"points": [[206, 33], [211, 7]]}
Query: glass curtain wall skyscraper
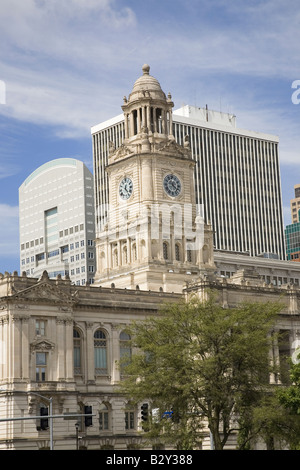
{"points": [[57, 221], [237, 178]]}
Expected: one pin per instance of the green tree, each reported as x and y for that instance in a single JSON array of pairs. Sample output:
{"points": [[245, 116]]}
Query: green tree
{"points": [[203, 362], [289, 399]]}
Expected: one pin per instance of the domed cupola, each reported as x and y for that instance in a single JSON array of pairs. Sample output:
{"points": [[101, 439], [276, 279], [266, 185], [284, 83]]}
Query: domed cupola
{"points": [[147, 108]]}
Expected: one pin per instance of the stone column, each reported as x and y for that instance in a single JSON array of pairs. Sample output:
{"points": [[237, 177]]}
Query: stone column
{"points": [[170, 122], [126, 125], [115, 372], [61, 352], [144, 122], [147, 186], [69, 349], [131, 122], [154, 120], [148, 112], [163, 122], [15, 369], [90, 360], [25, 347]]}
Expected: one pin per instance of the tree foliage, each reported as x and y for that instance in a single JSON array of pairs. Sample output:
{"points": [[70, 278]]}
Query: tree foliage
{"points": [[204, 362]]}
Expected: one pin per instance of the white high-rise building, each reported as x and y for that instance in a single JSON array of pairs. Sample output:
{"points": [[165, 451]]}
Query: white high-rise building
{"points": [[57, 221], [237, 177]]}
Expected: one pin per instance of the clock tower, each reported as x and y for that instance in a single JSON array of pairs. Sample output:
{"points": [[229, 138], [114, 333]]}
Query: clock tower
{"points": [[153, 236]]}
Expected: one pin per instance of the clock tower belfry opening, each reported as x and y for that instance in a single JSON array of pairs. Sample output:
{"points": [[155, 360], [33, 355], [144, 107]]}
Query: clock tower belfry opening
{"points": [[154, 236], [147, 107]]}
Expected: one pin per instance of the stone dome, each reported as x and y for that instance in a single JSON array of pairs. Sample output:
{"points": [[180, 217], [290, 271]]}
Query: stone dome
{"points": [[146, 83]]}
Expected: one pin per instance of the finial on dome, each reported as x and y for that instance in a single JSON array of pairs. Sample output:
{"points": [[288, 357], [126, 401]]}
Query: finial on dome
{"points": [[146, 69]]}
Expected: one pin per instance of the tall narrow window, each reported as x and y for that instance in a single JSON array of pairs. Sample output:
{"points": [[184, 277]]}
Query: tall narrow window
{"points": [[129, 419], [165, 250], [40, 327], [177, 252], [103, 417], [125, 349], [115, 258], [40, 366], [77, 352], [100, 348], [134, 252]]}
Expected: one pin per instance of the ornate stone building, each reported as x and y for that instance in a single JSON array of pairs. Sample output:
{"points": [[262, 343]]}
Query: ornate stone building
{"points": [[60, 343]]}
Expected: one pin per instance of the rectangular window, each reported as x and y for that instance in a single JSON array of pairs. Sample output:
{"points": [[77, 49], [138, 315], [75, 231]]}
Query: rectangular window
{"points": [[40, 370], [103, 421], [40, 327], [129, 420]]}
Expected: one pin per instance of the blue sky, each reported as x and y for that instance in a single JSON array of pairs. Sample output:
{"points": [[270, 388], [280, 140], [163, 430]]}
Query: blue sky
{"points": [[65, 66]]}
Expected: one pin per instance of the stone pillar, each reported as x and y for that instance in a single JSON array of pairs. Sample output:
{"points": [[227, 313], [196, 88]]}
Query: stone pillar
{"points": [[147, 186], [149, 119], [61, 352], [15, 369], [154, 120], [144, 122], [115, 372], [69, 349], [163, 122], [25, 347], [126, 125], [131, 122], [170, 122], [90, 360], [138, 120]]}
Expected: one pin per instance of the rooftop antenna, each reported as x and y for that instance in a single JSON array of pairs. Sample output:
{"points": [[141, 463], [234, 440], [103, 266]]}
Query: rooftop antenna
{"points": [[206, 107]]}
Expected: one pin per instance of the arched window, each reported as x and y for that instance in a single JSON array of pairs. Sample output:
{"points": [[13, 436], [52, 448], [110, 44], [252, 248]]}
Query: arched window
{"points": [[77, 351], [100, 350], [134, 252], [115, 258], [125, 349], [103, 417], [125, 257]]}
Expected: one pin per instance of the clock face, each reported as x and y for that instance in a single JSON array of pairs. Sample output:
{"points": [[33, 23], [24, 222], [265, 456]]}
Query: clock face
{"points": [[125, 188], [172, 185]]}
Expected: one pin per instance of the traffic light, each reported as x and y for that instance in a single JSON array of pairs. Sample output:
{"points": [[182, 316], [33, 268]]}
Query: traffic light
{"points": [[144, 411], [88, 420]]}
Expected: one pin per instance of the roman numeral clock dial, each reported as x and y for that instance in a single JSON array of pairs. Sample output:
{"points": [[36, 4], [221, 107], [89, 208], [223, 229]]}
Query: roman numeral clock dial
{"points": [[125, 188], [172, 185]]}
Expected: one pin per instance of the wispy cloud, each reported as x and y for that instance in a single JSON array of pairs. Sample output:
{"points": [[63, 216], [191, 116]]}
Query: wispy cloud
{"points": [[68, 63]]}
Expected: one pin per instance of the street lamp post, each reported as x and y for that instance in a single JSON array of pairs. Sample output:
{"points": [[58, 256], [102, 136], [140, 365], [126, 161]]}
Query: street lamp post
{"points": [[50, 415], [77, 440], [50, 401]]}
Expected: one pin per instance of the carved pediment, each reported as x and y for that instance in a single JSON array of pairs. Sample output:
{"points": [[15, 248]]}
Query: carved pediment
{"points": [[172, 147], [122, 152], [45, 291], [42, 344]]}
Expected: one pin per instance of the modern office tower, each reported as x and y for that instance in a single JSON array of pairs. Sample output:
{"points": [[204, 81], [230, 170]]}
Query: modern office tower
{"points": [[237, 177], [295, 205], [292, 231], [57, 226], [292, 241]]}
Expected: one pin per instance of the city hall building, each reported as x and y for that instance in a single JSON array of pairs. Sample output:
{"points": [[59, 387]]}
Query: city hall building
{"points": [[236, 173], [61, 343]]}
